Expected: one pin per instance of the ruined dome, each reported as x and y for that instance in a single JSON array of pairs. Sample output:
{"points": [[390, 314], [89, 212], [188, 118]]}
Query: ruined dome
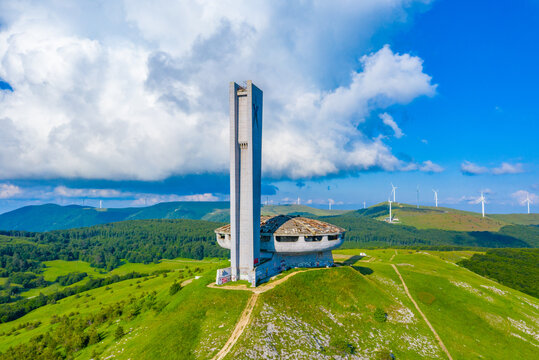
{"points": [[290, 225], [291, 234]]}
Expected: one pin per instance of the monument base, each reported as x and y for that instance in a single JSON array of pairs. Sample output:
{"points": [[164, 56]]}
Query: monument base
{"points": [[275, 263]]}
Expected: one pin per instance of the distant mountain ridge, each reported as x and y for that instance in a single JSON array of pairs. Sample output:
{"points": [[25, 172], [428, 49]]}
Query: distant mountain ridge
{"points": [[55, 217], [443, 218]]}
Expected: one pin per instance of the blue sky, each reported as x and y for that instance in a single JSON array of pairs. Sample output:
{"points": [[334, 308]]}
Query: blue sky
{"points": [[127, 104]]}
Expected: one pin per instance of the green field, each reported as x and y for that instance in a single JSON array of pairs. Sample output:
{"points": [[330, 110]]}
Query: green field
{"points": [[57, 268], [318, 313], [443, 218], [188, 316], [519, 219], [329, 311]]}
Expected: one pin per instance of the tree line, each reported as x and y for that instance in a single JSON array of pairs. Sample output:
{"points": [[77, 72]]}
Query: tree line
{"points": [[515, 268]]}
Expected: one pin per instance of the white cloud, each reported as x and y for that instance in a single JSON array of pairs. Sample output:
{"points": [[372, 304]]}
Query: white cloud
{"points": [[469, 168], [429, 166], [521, 195], [7, 191], [507, 168], [151, 199], [139, 90], [389, 121], [140, 198], [89, 193]]}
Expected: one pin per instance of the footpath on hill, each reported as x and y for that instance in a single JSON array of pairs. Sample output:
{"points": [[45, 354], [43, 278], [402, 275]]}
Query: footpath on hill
{"points": [[422, 314], [246, 314], [245, 317]]}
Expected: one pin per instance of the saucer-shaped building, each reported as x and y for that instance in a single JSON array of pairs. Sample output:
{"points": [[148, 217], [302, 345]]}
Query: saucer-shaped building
{"points": [[290, 241]]}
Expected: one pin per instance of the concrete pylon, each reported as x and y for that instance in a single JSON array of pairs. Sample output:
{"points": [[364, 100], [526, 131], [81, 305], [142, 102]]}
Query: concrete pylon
{"points": [[245, 179]]}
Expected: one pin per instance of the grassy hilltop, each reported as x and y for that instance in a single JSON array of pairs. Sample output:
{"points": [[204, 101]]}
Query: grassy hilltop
{"points": [[319, 313], [428, 217]]}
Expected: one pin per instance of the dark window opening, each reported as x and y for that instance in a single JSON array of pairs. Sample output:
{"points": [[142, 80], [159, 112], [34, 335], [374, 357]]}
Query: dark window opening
{"points": [[265, 238], [313, 238], [287, 238], [333, 237], [222, 236]]}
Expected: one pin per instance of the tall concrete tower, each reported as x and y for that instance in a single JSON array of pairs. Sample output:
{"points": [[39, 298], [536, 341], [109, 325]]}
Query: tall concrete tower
{"points": [[245, 179]]}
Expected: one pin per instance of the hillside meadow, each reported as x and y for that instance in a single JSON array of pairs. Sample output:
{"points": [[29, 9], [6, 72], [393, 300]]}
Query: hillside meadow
{"points": [[320, 313]]}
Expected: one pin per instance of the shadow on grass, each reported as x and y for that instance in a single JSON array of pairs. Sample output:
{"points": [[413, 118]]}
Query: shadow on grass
{"points": [[352, 260], [363, 270]]}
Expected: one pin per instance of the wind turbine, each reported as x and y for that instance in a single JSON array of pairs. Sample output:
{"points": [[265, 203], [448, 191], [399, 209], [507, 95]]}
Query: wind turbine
{"points": [[418, 196], [435, 196], [330, 201], [363, 204], [393, 190], [101, 204], [482, 200], [298, 200], [528, 201], [390, 216]]}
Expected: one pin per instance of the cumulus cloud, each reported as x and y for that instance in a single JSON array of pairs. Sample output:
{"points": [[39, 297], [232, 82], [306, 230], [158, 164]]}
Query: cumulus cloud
{"points": [[469, 168], [429, 166], [139, 90], [507, 168], [388, 120], [8, 191]]}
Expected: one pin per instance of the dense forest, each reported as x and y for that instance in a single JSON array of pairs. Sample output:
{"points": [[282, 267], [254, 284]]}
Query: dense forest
{"points": [[104, 246], [515, 268]]}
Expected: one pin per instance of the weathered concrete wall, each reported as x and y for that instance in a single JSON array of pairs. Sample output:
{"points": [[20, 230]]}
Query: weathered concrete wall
{"points": [[301, 246], [282, 262], [245, 177]]}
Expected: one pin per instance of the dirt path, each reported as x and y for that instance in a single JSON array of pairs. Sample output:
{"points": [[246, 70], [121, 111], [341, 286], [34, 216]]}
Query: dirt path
{"points": [[187, 282], [240, 326], [246, 314], [262, 288], [423, 315]]}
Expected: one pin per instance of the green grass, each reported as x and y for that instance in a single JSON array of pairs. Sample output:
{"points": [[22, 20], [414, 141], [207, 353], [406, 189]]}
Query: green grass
{"points": [[519, 219], [196, 320], [195, 324], [474, 316], [314, 312], [444, 218], [57, 268]]}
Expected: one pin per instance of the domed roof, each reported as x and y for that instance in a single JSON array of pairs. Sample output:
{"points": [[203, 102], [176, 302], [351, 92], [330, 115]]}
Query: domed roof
{"points": [[290, 225]]}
